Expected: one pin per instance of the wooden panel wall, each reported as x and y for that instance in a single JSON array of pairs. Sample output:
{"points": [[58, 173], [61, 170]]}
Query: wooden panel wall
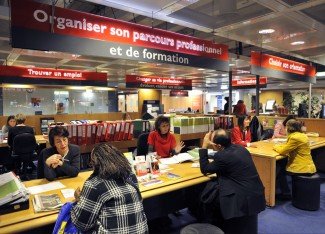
{"points": [[312, 125], [269, 95], [34, 120]]}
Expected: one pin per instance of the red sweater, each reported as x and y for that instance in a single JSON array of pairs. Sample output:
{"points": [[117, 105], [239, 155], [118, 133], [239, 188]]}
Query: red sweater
{"points": [[163, 146], [237, 137]]}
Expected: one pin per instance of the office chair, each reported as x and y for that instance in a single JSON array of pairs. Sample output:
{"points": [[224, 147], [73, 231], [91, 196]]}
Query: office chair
{"points": [[142, 144], [23, 150]]}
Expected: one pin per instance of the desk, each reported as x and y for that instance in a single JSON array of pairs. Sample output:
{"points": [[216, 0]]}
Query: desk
{"points": [[27, 219], [265, 158], [39, 139]]}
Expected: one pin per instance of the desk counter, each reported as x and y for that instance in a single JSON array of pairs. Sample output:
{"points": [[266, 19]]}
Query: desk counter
{"points": [[39, 139], [27, 219], [265, 158]]}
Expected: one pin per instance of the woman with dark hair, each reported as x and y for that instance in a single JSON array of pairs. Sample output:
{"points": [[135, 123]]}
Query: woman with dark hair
{"points": [[11, 122], [280, 127], [240, 108], [62, 158], [241, 134], [110, 200], [162, 141]]}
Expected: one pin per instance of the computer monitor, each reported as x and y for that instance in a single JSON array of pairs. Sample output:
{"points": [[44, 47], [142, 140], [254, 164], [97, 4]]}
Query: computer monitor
{"points": [[269, 105]]}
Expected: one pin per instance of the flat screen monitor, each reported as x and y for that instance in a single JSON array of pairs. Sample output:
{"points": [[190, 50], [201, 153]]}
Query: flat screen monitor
{"points": [[269, 105]]}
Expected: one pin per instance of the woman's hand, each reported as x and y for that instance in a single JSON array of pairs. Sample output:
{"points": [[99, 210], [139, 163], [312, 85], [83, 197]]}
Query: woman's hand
{"points": [[53, 161], [77, 194], [179, 147]]}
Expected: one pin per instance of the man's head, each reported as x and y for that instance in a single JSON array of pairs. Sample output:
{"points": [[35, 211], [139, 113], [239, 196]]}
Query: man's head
{"points": [[221, 139]]}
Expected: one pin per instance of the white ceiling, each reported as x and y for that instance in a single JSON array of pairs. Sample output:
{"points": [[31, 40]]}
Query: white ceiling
{"points": [[222, 21]]}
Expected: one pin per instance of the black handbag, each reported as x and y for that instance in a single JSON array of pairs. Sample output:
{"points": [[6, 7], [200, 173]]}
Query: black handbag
{"points": [[210, 193]]}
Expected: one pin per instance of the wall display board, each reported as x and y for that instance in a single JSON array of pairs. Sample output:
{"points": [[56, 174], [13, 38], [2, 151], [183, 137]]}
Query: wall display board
{"points": [[155, 82], [43, 27], [272, 66], [247, 83], [48, 76]]}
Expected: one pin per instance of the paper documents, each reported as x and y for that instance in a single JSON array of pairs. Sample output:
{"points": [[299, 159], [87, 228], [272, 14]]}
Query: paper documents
{"points": [[179, 158], [11, 188], [67, 193], [45, 187], [46, 202]]}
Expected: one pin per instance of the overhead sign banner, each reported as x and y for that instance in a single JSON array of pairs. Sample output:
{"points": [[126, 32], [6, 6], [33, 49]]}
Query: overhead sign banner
{"points": [[178, 93], [153, 82], [34, 75], [272, 66], [246, 83], [88, 34]]}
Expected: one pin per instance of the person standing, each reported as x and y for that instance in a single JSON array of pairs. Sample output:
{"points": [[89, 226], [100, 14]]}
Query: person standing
{"points": [[240, 108], [240, 191], [206, 108], [226, 106]]}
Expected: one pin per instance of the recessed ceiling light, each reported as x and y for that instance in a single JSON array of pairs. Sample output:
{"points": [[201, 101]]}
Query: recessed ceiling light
{"points": [[104, 71], [231, 64], [266, 31], [297, 43], [201, 69], [142, 62], [224, 75], [290, 85]]}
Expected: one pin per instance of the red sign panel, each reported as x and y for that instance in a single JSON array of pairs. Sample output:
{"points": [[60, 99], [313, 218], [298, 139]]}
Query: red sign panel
{"points": [[248, 82], [49, 73], [178, 93], [272, 66], [33, 15], [153, 82]]}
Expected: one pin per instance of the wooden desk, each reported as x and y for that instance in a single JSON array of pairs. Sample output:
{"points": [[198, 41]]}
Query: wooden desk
{"points": [[27, 219], [265, 158], [39, 139]]}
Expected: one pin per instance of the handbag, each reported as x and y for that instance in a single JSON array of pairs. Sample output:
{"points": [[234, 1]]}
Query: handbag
{"points": [[63, 224], [210, 193]]}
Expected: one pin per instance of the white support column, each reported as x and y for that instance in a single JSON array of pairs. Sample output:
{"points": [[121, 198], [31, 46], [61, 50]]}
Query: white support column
{"points": [[309, 104]]}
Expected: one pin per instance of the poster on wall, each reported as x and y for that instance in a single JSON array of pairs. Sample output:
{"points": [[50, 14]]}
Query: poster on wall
{"points": [[87, 34], [276, 67], [155, 82]]}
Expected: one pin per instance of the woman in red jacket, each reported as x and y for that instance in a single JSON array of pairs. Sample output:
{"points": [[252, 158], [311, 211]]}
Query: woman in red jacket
{"points": [[241, 134]]}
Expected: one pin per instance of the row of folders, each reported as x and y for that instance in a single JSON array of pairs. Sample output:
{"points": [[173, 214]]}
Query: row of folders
{"points": [[95, 132]]}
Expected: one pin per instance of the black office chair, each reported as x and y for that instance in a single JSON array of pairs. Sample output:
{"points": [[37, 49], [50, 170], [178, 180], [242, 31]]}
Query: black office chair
{"points": [[267, 134], [23, 151], [142, 144]]}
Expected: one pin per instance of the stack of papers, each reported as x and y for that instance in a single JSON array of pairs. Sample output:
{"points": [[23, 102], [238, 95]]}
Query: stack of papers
{"points": [[179, 158], [11, 189]]}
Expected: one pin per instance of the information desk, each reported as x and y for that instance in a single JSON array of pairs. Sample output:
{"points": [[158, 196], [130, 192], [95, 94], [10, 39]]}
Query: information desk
{"points": [[27, 219], [265, 158]]}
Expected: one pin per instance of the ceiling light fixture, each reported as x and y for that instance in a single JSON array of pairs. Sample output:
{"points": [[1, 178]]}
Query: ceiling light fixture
{"points": [[104, 71], [266, 31], [231, 64], [320, 74], [200, 69], [297, 43]]}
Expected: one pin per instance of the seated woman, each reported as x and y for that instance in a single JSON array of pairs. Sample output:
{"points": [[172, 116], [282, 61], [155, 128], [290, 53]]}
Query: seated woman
{"points": [[11, 122], [62, 158], [241, 134], [280, 128], [110, 200], [298, 151], [162, 141], [19, 129]]}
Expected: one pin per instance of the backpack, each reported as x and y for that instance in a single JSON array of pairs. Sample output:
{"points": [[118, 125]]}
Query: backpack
{"points": [[63, 224]]}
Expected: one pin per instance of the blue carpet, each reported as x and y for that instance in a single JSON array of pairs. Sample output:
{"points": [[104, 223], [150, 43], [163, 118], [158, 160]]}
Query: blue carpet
{"points": [[285, 218]]}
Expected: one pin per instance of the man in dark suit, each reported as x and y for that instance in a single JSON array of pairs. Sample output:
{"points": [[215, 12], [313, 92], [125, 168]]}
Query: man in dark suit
{"points": [[241, 192]]}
